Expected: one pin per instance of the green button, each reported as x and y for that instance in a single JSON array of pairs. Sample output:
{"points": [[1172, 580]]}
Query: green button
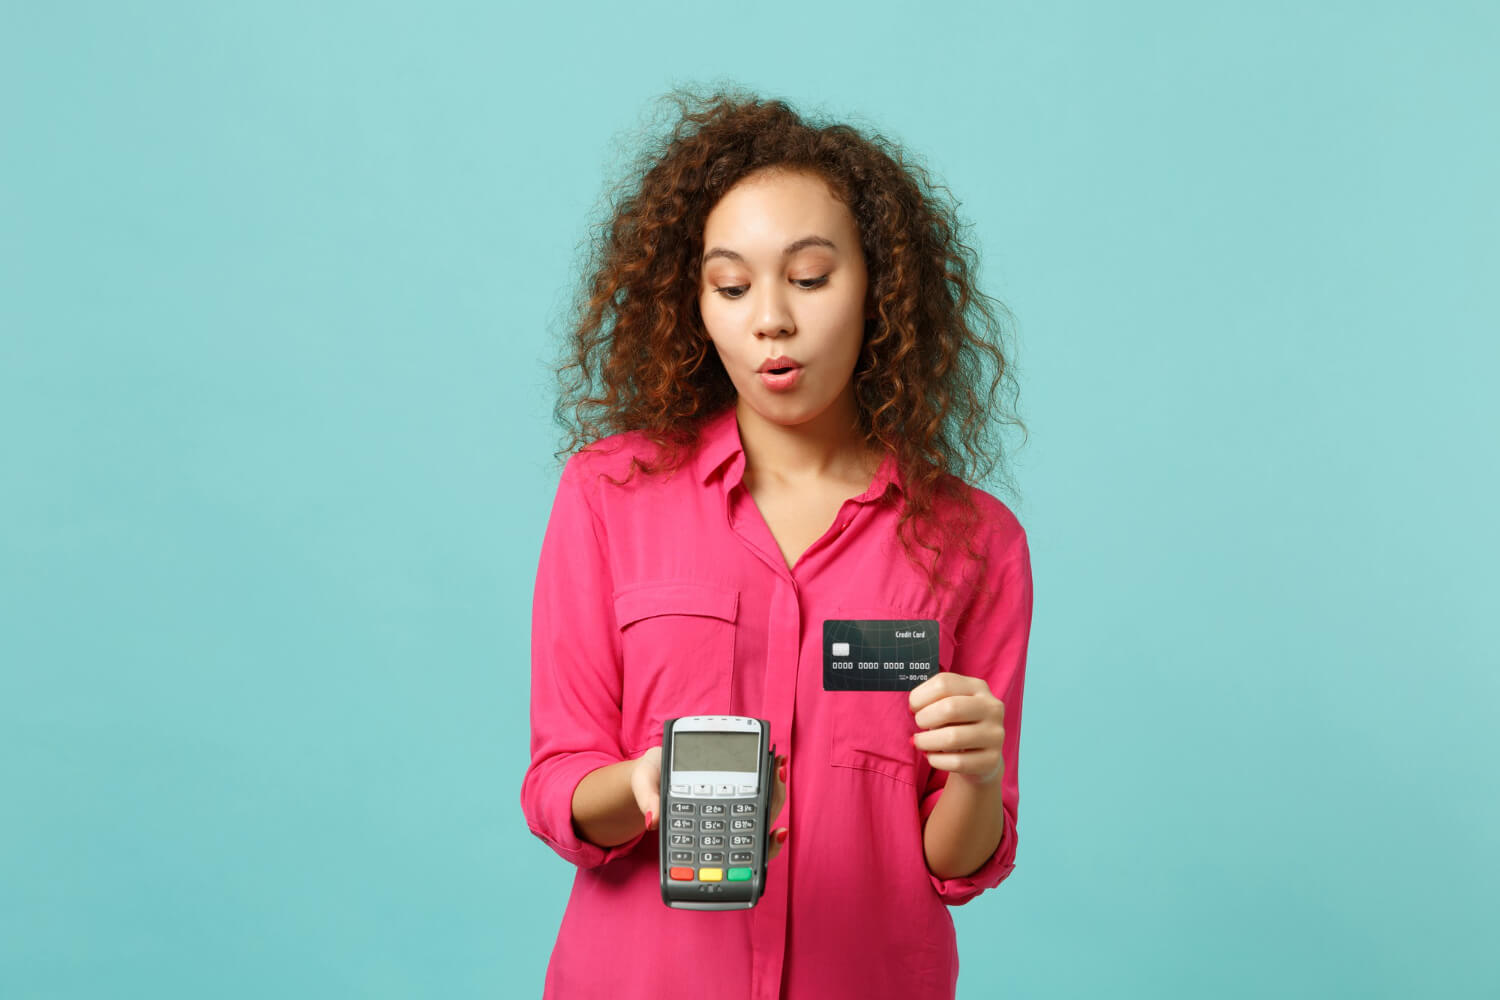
{"points": [[739, 874]]}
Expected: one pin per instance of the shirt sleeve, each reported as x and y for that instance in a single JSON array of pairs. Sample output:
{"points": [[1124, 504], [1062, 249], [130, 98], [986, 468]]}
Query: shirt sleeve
{"points": [[575, 673], [992, 645]]}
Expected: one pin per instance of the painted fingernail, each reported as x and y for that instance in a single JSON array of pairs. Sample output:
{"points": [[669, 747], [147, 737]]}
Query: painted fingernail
{"points": [[781, 836], [648, 819], [782, 772]]}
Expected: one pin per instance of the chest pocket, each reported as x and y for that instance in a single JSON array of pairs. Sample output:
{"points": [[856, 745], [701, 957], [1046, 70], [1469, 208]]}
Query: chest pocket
{"points": [[677, 640], [872, 730]]}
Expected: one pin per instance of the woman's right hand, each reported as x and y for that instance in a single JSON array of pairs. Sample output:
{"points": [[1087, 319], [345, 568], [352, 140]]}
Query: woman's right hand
{"points": [[645, 782]]}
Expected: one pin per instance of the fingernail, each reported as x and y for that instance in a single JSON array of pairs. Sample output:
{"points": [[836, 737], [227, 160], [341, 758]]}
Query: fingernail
{"points": [[648, 819], [782, 772], [781, 836]]}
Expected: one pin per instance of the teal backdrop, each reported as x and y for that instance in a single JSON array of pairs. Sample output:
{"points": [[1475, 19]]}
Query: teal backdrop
{"points": [[279, 287]]}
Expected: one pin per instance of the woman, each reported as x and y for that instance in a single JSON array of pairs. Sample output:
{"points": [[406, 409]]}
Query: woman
{"points": [[777, 358]]}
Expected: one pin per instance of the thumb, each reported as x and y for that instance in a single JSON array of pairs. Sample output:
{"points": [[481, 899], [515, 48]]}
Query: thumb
{"points": [[653, 811], [646, 783]]}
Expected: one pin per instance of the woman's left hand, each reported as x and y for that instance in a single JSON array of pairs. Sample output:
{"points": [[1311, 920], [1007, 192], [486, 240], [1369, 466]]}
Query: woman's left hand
{"points": [[962, 726]]}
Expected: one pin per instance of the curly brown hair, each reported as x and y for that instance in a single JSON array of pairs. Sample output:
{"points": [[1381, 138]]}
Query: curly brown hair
{"points": [[640, 353]]}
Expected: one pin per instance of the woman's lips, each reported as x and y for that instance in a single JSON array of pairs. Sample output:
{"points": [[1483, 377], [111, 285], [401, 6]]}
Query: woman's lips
{"points": [[781, 383]]}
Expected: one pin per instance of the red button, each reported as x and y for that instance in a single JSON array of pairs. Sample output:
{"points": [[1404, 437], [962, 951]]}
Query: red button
{"points": [[680, 874]]}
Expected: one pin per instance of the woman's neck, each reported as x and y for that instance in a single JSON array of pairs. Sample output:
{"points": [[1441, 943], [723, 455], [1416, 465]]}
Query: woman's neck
{"points": [[828, 447]]}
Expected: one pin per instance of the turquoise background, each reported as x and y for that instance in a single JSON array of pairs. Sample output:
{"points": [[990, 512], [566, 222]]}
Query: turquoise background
{"points": [[277, 288]]}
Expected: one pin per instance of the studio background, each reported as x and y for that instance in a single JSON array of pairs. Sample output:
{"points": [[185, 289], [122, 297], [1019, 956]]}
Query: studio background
{"points": [[277, 288]]}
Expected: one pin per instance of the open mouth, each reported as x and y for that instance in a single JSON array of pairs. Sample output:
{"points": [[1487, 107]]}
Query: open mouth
{"points": [[778, 371]]}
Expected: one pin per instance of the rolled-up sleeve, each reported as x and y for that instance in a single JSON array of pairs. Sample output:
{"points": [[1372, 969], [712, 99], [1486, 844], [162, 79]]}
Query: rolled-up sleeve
{"points": [[575, 672], [991, 644]]}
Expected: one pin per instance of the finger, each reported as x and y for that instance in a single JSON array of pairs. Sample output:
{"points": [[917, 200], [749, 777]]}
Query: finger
{"points": [[943, 684], [778, 839], [778, 789], [649, 801], [975, 707], [645, 782], [985, 765], [956, 738]]}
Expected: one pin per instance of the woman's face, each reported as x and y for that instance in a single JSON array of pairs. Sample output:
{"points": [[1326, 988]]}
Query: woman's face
{"points": [[784, 276]]}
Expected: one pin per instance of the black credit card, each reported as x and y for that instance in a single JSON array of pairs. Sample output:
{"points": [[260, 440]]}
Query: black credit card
{"points": [[865, 654]]}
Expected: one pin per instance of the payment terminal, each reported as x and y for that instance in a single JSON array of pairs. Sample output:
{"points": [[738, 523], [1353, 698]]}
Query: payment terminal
{"points": [[716, 782]]}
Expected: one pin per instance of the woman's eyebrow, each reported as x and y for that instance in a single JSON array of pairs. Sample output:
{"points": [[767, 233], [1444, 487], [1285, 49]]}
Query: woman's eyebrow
{"points": [[791, 248]]}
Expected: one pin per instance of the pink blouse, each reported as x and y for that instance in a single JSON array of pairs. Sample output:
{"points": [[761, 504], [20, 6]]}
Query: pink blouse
{"points": [[669, 598]]}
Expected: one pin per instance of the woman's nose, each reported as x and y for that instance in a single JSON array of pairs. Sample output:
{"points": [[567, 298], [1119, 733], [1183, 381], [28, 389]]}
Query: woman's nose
{"points": [[773, 318]]}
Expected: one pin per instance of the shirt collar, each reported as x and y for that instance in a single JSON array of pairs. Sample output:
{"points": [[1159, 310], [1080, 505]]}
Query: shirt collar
{"points": [[719, 442]]}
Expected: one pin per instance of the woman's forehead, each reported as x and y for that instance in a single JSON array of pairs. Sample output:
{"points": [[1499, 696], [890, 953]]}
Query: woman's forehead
{"points": [[775, 216]]}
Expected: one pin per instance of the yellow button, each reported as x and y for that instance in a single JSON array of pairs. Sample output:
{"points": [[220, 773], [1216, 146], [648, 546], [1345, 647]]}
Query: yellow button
{"points": [[710, 874]]}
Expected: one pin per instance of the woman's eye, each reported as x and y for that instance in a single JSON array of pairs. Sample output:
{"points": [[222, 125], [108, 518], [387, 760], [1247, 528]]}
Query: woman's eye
{"points": [[735, 291]]}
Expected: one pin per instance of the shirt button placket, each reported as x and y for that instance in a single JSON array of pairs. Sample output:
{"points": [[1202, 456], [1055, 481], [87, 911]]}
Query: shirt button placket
{"points": [[770, 924]]}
